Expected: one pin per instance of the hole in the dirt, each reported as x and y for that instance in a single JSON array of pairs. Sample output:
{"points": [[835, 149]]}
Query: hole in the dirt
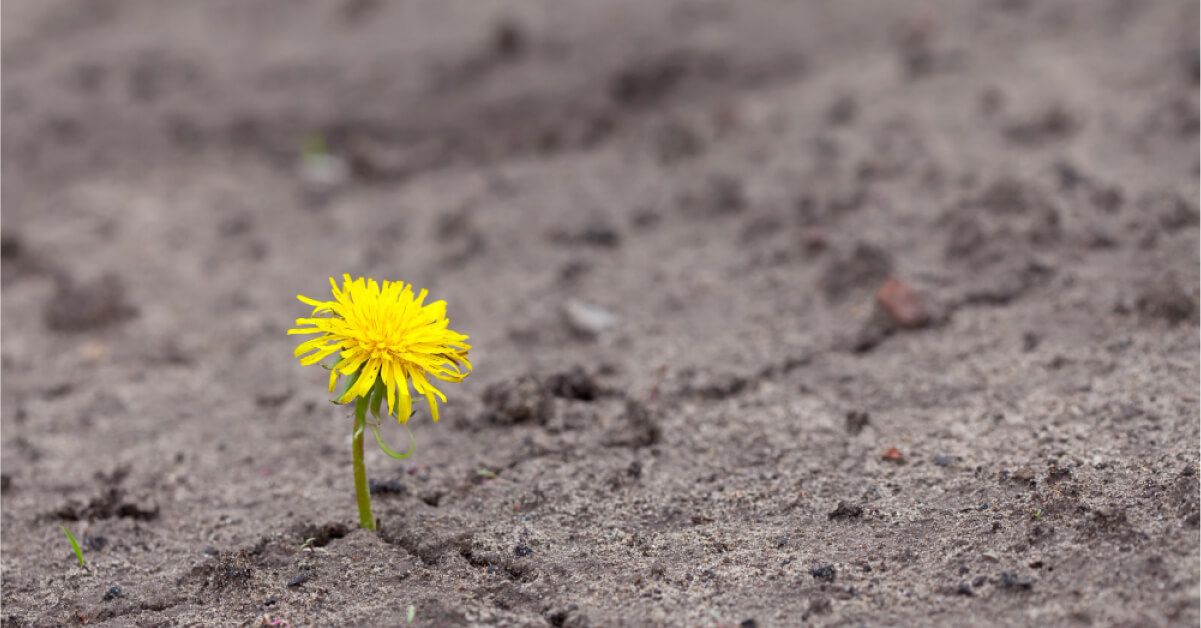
{"points": [[325, 533], [575, 383], [495, 567], [529, 398]]}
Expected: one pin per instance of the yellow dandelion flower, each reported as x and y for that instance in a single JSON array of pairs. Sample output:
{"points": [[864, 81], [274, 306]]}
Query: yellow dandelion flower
{"points": [[384, 333]]}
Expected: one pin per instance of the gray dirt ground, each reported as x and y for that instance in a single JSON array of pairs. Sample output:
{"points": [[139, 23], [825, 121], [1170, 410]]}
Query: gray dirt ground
{"points": [[734, 181]]}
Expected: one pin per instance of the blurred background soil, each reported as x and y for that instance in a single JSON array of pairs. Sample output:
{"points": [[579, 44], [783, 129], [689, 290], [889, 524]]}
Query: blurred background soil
{"points": [[839, 312]]}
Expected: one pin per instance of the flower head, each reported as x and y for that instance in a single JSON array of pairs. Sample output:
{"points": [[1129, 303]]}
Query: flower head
{"points": [[385, 334]]}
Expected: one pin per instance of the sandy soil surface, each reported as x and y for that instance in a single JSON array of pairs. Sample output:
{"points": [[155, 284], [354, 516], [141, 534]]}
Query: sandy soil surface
{"points": [[832, 313]]}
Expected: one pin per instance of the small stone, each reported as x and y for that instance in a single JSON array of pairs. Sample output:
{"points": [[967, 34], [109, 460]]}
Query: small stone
{"points": [[902, 304], [943, 460], [587, 319], [826, 573], [748, 623], [113, 593], [386, 487], [298, 579], [522, 550], [1012, 581], [892, 454], [965, 589], [323, 171]]}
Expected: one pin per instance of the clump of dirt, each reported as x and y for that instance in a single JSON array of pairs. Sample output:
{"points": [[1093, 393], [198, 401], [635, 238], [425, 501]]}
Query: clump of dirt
{"points": [[1168, 301], [89, 305], [1001, 223], [113, 502], [530, 398]]}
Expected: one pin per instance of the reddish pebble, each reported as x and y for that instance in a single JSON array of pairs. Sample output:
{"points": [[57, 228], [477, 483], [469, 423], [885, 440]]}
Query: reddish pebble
{"points": [[902, 304], [892, 454]]}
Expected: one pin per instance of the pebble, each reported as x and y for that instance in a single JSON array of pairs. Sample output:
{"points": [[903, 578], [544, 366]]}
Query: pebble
{"points": [[588, 319], [323, 171], [902, 304], [386, 487], [298, 579], [1012, 581], [113, 593], [943, 460], [826, 573]]}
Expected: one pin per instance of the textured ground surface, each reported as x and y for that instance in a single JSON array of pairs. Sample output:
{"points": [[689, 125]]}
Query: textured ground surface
{"points": [[966, 230]]}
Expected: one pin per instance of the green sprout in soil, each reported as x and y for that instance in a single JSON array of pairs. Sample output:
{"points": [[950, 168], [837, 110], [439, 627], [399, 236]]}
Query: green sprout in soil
{"points": [[486, 473], [75, 546], [314, 146], [383, 337]]}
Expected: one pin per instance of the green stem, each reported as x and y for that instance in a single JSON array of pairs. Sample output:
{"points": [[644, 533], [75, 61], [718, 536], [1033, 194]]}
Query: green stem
{"points": [[362, 493]]}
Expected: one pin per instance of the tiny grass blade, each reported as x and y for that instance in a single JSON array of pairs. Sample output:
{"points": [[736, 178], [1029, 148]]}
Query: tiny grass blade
{"points": [[75, 546]]}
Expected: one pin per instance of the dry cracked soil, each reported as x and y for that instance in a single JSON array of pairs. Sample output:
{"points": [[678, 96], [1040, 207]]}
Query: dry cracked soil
{"points": [[843, 313]]}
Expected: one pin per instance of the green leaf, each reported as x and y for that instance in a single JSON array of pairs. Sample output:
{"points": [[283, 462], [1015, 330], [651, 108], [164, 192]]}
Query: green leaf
{"points": [[410, 614], [377, 397], [74, 546], [349, 381], [391, 453]]}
